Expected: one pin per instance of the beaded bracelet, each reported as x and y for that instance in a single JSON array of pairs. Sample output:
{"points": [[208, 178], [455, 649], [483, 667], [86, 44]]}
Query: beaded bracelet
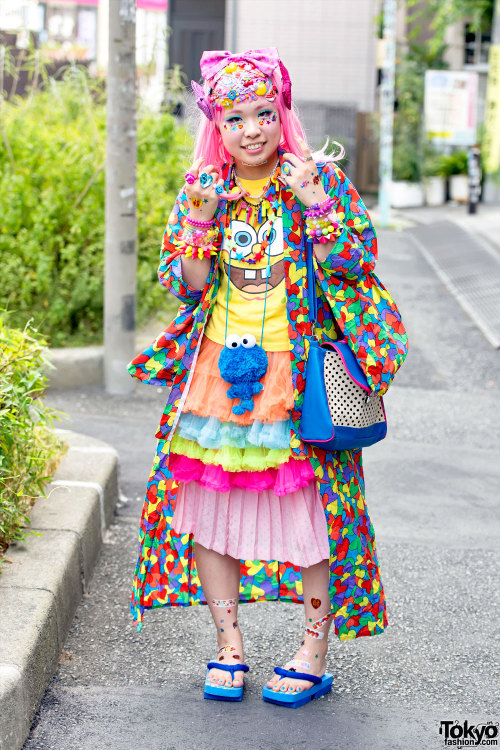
{"points": [[198, 237], [199, 223], [323, 228], [320, 209]]}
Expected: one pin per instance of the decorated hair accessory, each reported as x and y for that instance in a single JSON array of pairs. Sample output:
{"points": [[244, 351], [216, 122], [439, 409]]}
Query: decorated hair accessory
{"points": [[225, 603], [235, 78], [202, 100], [287, 86], [190, 178], [238, 82], [265, 59]]}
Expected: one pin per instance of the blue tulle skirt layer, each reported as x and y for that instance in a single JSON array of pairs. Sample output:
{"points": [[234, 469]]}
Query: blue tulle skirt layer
{"points": [[210, 432]]}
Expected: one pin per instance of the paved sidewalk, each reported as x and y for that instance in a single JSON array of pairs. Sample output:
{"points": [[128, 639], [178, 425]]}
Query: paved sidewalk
{"points": [[484, 224], [432, 490]]}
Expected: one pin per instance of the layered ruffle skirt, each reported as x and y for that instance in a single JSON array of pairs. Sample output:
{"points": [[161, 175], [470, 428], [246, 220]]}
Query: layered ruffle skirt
{"points": [[241, 491]]}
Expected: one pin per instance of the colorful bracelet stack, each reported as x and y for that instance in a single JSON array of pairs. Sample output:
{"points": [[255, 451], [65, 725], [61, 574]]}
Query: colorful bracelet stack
{"points": [[197, 238], [322, 224]]}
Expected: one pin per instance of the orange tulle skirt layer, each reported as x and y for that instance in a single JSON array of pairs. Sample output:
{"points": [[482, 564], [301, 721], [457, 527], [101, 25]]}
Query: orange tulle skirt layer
{"points": [[207, 394]]}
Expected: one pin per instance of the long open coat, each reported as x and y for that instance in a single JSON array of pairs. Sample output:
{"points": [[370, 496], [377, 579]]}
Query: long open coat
{"points": [[349, 293]]}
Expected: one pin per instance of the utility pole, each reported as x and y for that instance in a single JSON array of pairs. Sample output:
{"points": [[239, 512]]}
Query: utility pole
{"points": [[387, 111], [491, 140], [121, 219]]}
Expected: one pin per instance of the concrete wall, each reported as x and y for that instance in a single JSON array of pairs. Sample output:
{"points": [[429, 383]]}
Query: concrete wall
{"points": [[328, 46]]}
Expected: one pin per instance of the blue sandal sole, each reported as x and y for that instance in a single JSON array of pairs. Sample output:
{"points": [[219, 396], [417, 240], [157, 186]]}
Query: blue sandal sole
{"points": [[295, 700], [216, 693]]}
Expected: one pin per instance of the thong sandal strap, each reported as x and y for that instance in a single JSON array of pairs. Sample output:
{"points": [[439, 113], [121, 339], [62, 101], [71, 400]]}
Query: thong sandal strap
{"points": [[228, 667], [298, 675]]}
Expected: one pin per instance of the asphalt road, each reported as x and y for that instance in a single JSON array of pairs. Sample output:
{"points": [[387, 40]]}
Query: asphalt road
{"points": [[432, 490]]}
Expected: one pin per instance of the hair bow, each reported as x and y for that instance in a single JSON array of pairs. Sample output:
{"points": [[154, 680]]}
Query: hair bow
{"points": [[265, 59]]}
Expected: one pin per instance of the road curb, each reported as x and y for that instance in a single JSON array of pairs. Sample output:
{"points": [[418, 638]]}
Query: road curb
{"points": [[74, 366], [42, 585]]}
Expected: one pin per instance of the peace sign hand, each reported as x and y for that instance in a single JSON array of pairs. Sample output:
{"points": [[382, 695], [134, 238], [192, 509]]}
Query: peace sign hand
{"points": [[302, 176]]}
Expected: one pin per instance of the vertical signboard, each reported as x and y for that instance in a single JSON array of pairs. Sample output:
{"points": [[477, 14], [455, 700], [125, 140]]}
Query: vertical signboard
{"points": [[450, 106], [491, 140]]}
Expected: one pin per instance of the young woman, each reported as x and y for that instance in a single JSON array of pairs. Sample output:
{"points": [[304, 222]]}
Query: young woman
{"points": [[238, 508]]}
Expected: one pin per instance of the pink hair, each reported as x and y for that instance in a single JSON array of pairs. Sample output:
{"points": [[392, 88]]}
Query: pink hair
{"points": [[209, 142]]}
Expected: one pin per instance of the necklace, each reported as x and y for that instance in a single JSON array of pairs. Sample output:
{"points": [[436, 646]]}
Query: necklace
{"points": [[256, 207], [257, 198]]}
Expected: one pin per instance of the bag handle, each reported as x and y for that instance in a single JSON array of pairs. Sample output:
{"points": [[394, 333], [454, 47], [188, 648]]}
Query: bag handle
{"points": [[311, 282], [311, 291]]}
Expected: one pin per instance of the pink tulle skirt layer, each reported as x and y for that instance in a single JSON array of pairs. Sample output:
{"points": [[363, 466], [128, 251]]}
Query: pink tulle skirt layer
{"points": [[285, 479], [255, 526]]}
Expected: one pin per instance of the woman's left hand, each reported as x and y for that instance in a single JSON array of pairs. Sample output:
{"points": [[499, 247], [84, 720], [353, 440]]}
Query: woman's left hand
{"points": [[303, 177]]}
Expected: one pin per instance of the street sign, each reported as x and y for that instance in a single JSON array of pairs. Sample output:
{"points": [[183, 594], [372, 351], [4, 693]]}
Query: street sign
{"points": [[491, 143], [450, 106]]}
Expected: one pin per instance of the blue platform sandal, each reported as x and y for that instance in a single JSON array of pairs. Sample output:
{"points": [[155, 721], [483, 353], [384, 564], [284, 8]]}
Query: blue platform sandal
{"points": [[221, 692], [322, 685]]}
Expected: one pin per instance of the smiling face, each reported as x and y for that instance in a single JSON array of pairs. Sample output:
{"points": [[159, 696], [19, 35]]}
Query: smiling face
{"points": [[251, 132]]}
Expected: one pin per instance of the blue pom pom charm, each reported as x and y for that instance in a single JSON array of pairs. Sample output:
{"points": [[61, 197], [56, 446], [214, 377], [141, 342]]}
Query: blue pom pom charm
{"points": [[242, 363]]}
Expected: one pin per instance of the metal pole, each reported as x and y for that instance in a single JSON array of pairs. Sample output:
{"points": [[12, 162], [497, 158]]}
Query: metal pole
{"points": [[121, 220], [387, 111], [234, 26]]}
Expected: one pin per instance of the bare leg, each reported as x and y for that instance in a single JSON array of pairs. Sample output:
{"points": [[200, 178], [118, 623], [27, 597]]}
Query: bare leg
{"points": [[220, 580], [312, 652]]}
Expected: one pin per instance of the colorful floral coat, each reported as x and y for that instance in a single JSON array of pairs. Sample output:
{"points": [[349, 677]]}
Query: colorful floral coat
{"points": [[348, 293]]}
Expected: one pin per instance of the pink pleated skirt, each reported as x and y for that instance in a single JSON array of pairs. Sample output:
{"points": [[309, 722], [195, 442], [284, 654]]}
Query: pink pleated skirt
{"points": [[272, 514]]}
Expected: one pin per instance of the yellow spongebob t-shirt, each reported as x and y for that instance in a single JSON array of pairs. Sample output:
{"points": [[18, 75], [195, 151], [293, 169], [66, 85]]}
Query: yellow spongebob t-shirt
{"points": [[247, 286]]}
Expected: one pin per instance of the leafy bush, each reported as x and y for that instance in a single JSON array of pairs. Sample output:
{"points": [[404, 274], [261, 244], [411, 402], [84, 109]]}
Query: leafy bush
{"points": [[454, 163], [52, 193], [29, 449]]}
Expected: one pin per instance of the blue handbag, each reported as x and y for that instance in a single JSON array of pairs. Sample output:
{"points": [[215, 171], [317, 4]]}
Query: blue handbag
{"points": [[339, 412]]}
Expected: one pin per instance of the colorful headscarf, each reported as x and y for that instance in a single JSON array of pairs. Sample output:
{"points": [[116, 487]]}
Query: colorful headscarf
{"points": [[236, 78]]}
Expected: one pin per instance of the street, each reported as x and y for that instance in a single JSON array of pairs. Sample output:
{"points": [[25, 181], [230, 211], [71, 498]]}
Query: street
{"points": [[432, 490]]}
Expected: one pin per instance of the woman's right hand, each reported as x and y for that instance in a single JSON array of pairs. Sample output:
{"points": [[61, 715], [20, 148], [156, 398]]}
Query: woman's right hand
{"points": [[203, 200]]}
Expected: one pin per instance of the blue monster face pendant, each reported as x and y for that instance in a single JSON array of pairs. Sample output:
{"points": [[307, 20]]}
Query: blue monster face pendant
{"points": [[243, 363]]}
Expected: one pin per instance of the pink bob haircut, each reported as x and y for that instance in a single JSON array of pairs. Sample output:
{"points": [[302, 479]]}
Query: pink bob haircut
{"points": [[208, 143]]}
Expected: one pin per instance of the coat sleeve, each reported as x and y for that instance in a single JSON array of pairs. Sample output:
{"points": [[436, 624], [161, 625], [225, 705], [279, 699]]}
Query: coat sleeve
{"points": [[170, 268], [355, 251]]}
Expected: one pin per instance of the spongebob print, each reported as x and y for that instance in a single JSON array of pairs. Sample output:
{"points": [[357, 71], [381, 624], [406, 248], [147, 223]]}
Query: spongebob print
{"points": [[249, 262]]}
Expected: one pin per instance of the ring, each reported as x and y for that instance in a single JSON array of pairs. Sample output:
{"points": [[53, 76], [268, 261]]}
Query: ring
{"points": [[219, 189], [286, 168], [309, 158], [206, 179], [190, 178]]}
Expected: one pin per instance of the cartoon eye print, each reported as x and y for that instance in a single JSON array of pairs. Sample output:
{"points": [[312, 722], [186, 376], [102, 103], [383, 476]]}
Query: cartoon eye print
{"points": [[244, 237], [248, 340], [233, 341], [275, 240]]}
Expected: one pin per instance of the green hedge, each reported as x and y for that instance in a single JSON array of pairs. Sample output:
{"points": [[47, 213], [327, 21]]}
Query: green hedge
{"points": [[29, 449], [52, 197]]}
